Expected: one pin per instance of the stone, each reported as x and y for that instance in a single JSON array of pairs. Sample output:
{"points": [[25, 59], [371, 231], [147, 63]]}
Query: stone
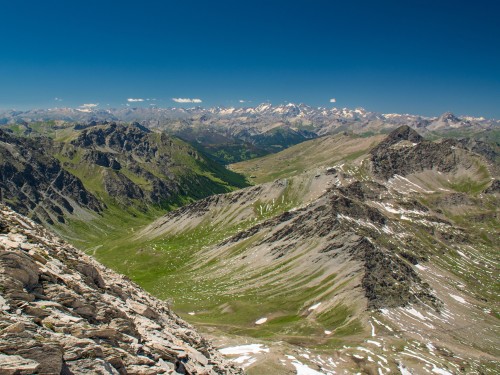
{"points": [[142, 309], [14, 328], [17, 365], [91, 366]]}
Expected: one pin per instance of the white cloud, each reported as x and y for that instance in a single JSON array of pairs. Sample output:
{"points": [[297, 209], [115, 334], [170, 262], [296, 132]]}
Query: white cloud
{"points": [[242, 101], [89, 105], [135, 100], [333, 100], [58, 99], [186, 100]]}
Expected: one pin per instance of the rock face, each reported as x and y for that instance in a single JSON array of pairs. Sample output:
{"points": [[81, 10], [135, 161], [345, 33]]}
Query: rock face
{"points": [[404, 152], [64, 313], [34, 182]]}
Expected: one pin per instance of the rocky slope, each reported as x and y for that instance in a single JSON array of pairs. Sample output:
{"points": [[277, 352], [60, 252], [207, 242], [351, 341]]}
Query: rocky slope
{"points": [[94, 170], [404, 152], [145, 166], [34, 183], [61, 312]]}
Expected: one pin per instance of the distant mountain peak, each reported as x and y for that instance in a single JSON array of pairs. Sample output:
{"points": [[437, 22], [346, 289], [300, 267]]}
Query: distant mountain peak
{"points": [[449, 117]]}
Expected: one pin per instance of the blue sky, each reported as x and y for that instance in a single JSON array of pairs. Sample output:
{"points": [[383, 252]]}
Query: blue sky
{"points": [[423, 57]]}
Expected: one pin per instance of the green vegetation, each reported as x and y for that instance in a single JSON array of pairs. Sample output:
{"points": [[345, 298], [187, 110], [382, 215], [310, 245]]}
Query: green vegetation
{"points": [[224, 294], [306, 156], [180, 267], [57, 130]]}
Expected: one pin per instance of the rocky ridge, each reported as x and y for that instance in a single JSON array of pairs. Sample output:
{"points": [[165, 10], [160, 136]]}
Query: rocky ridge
{"points": [[100, 166], [64, 313], [404, 152], [34, 183]]}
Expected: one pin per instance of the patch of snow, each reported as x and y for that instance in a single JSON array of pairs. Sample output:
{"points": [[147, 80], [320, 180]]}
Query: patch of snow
{"points": [[382, 324], [440, 371], [458, 298], [387, 230], [403, 370], [261, 321], [389, 208], [328, 332], [191, 313], [374, 343], [420, 267], [242, 359], [415, 313], [303, 369], [314, 307], [244, 349], [373, 329], [364, 350]]}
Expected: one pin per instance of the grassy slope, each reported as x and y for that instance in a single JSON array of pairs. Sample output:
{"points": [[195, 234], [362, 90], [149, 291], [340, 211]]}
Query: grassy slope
{"points": [[171, 268], [305, 156]]}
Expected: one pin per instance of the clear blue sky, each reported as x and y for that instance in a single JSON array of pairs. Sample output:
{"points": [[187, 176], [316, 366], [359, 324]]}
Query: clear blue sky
{"points": [[407, 56]]}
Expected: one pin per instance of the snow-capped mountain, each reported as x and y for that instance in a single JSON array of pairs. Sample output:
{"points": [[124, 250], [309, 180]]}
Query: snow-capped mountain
{"points": [[274, 126]]}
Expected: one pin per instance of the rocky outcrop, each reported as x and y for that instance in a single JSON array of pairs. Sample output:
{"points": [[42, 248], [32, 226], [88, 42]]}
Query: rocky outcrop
{"points": [[34, 183], [63, 313], [494, 188], [102, 159], [404, 152], [117, 137]]}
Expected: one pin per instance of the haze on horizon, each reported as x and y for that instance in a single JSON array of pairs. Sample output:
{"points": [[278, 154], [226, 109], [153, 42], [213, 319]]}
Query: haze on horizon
{"points": [[419, 57]]}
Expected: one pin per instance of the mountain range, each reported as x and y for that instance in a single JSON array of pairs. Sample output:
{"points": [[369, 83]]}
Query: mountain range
{"points": [[290, 111], [230, 135], [352, 245]]}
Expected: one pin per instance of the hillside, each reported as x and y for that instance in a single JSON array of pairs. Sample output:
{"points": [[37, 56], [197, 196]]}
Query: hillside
{"points": [[297, 159], [358, 259], [104, 176], [64, 313]]}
